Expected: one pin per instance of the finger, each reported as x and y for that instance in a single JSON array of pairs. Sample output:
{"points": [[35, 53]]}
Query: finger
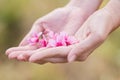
{"points": [[90, 43], [84, 56], [52, 60], [25, 56], [21, 48], [74, 22], [56, 60], [14, 55], [48, 53], [37, 27]]}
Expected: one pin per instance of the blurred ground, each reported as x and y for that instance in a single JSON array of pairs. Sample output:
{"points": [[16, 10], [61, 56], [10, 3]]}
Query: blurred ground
{"points": [[16, 18]]}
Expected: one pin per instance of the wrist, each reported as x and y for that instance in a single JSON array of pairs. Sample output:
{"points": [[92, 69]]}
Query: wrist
{"points": [[113, 9], [74, 3], [86, 5]]}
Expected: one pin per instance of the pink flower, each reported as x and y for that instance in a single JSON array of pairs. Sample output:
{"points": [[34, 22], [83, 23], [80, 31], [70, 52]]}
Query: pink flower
{"points": [[51, 43], [71, 40], [51, 34], [37, 35], [35, 38], [42, 43], [51, 39], [64, 35], [60, 40]]}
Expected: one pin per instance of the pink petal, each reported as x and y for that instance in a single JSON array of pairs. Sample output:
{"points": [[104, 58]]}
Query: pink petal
{"points": [[35, 35], [60, 41], [43, 43], [71, 40], [34, 40], [51, 34], [51, 43], [64, 35], [59, 44], [51, 39]]}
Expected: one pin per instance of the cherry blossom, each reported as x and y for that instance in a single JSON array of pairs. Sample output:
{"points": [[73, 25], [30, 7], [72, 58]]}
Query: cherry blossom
{"points": [[52, 39]]}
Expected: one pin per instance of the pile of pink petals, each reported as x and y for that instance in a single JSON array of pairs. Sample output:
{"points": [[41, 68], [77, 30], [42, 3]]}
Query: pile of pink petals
{"points": [[51, 39]]}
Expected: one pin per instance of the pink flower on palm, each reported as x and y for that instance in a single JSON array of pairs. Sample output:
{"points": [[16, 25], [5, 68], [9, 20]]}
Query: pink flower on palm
{"points": [[51, 39], [35, 38]]}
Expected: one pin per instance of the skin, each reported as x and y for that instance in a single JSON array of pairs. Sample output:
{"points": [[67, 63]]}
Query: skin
{"points": [[89, 25]]}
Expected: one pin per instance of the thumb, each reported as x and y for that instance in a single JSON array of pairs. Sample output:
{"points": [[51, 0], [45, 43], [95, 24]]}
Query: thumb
{"points": [[84, 48], [35, 29]]}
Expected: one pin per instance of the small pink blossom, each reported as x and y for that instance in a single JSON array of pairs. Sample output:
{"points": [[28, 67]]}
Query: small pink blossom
{"points": [[34, 40], [51, 39], [71, 40], [51, 34], [42, 43], [51, 43], [60, 40]]}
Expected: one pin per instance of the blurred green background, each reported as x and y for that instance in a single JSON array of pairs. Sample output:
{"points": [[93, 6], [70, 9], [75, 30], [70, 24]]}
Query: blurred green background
{"points": [[16, 18]]}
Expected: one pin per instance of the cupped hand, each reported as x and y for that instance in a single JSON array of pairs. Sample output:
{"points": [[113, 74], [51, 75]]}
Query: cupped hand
{"points": [[95, 30], [68, 19], [91, 35], [61, 19]]}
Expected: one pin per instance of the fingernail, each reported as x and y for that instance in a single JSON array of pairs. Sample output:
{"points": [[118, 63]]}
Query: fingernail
{"points": [[72, 58]]}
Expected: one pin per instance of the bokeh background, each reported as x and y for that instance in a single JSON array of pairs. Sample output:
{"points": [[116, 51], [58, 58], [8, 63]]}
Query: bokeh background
{"points": [[16, 19]]}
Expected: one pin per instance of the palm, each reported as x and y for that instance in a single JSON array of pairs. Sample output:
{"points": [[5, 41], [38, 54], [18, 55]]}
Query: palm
{"points": [[63, 19], [91, 35]]}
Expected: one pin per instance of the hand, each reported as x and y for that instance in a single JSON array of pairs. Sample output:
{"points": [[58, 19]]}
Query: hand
{"points": [[62, 19], [68, 19], [95, 31], [91, 35]]}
